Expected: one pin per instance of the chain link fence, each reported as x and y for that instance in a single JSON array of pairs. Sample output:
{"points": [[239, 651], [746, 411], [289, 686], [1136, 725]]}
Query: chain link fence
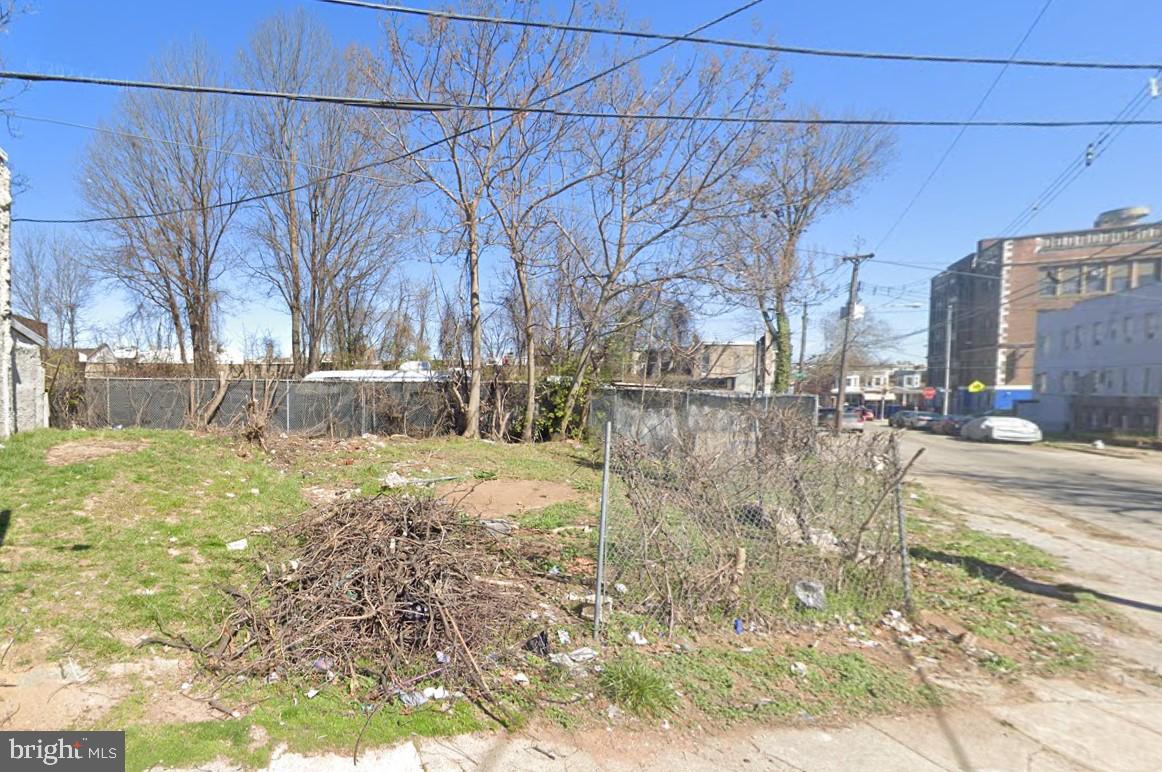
{"points": [[337, 409], [720, 506]]}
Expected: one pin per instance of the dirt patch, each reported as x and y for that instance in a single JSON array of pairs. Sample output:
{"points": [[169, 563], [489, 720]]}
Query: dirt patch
{"points": [[80, 451], [504, 498], [69, 695]]}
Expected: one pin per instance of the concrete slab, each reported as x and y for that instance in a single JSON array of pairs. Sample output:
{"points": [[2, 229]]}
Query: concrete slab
{"points": [[1086, 735], [963, 740], [1144, 714], [860, 747]]}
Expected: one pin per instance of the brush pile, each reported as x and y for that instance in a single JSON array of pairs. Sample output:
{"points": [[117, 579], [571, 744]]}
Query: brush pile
{"points": [[392, 588]]}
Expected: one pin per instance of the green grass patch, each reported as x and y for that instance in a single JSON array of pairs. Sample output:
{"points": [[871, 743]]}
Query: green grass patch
{"points": [[632, 683], [557, 516]]}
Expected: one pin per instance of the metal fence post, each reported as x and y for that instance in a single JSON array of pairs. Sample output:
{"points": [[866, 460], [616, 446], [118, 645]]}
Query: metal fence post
{"points": [[108, 405], [901, 524], [288, 405], [597, 590]]}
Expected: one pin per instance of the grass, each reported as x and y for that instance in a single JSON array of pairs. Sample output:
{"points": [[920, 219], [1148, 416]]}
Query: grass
{"points": [[99, 554], [559, 515], [997, 587], [633, 684], [730, 685]]}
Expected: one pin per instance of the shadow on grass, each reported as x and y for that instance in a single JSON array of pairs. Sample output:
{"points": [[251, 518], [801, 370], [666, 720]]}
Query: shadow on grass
{"points": [[1010, 578], [5, 521]]}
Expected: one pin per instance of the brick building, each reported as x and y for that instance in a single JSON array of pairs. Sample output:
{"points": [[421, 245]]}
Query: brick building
{"points": [[996, 292]]}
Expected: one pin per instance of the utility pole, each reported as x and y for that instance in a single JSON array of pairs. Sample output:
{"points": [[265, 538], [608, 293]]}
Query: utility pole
{"points": [[7, 341], [841, 396], [948, 352]]}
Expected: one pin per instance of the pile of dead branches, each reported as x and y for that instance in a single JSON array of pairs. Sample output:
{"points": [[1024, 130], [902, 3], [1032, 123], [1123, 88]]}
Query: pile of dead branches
{"points": [[392, 588]]}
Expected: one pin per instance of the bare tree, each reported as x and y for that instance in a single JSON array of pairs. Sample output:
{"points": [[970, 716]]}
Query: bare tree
{"points": [[660, 181], [327, 243], [171, 196], [799, 174], [457, 153], [31, 275], [52, 283]]}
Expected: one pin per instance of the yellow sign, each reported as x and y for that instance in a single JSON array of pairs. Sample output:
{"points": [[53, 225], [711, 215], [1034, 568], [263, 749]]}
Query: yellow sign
{"points": [[976, 387]]}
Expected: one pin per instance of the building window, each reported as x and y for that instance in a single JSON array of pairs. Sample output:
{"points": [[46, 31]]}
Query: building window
{"points": [[1049, 283], [1097, 333], [1148, 272], [1042, 382], [1065, 340], [1145, 381], [1112, 331], [1077, 336], [1095, 279], [1125, 381], [1069, 281], [853, 382], [1119, 278], [1151, 325]]}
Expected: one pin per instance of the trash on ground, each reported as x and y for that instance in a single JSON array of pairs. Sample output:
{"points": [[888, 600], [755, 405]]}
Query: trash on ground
{"points": [[237, 546], [538, 644], [811, 594], [636, 638], [583, 654], [520, 678], [563, 637], [798, 668], [412, 699]]}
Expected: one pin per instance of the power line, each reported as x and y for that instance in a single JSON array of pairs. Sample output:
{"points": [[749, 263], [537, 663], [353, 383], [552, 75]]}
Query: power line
{"points": [[192, 146], [956, 140], [1075, 168], [195, 88], [746, 44], [372, 164], [536, 108], [1034, 287]]}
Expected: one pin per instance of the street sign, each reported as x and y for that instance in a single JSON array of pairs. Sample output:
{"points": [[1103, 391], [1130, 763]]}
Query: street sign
{"points": [[929, 392], [976, 387]]}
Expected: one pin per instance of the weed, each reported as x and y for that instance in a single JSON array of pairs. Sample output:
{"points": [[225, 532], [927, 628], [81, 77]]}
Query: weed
{"points": [[633, 684]]}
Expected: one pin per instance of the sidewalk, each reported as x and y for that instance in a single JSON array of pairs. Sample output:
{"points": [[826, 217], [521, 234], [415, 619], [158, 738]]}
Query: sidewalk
{"points": [[1065, 726]]}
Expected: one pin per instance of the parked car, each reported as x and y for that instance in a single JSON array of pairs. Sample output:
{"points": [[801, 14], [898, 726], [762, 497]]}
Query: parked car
{"points": [[949, 424], [919, 419], [852, 420], [899, 419], [1001, 429]]}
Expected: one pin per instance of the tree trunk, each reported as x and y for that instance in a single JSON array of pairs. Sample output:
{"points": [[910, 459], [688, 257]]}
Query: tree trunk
{"points": [[526, 434], [472, 416], [782, 344], [201, 344], [575, 389]]}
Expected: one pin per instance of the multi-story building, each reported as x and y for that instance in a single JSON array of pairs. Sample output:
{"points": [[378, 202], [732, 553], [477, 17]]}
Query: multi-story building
{"points": [[1099, 365], [996, 292]]}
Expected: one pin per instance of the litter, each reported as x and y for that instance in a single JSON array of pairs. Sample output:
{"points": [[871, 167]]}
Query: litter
{"points": [[520, 678], [636, 638], [563, 637], [583, 654], [237, 546], [811, 594], [412, 699]]}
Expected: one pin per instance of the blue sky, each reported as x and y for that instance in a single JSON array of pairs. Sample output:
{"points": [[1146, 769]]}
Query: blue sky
{"points": [[990, 177]]}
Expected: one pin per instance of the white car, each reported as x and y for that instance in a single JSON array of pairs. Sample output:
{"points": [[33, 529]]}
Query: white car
{"points": [[999, 428]]}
